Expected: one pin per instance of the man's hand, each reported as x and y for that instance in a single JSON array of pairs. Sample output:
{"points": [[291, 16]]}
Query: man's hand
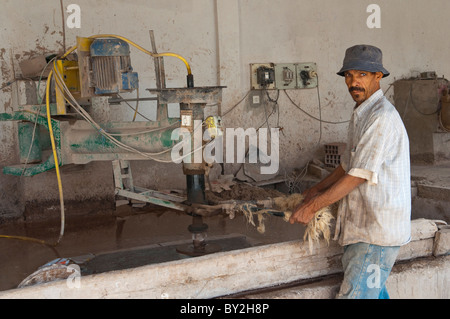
{"points": [[303, 213], [314, 202]]}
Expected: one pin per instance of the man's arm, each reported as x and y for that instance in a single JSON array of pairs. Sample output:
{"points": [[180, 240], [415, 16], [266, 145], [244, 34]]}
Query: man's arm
{"points": [[326, 183], [340, 188]]}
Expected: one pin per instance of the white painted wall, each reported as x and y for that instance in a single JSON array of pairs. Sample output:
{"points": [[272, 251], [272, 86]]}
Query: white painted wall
{"points": [[220, 38]]}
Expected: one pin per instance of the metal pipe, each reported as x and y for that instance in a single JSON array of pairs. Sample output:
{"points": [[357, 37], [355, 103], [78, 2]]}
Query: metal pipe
{"points": [[112, 100]]}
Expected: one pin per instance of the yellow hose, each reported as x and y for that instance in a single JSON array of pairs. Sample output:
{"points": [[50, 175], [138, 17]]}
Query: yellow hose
{"points": [[55, 155], [69, 52], [43, 242], [155, 55]]}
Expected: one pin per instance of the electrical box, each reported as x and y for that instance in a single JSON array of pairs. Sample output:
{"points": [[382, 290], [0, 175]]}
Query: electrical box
{"points": [[262, 76], [255, 98], [306, 75], [187, 120], [285, 76]]}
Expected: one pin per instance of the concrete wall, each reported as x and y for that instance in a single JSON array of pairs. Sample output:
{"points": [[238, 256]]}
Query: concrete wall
{"points": [[220, 39], [417, 101]]}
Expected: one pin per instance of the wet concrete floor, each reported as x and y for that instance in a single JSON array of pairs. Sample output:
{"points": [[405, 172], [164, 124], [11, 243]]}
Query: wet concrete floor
{"points": [[134, 228], [129, 228]]}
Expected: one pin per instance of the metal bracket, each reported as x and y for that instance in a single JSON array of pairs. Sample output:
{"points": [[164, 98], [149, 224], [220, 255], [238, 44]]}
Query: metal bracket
{"points": [[124, 186]]}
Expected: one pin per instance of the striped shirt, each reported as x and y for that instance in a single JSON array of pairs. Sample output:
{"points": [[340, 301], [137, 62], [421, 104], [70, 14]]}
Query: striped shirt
{"points": [[379, 210]]}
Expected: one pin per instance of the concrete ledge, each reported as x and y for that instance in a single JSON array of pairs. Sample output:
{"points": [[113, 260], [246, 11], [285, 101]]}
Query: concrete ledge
{"points": [[424, 278], [221, 274], [427, 278], [433, 192], [442, 241]]}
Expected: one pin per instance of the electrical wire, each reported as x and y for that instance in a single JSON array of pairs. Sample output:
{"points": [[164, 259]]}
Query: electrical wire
{"points": [[7, 84], [311, 116], [137, 105], [275, 108], [233, 107], [63, 25], [320, 111], [266, 121], [61, 85], [293, 181], [146, 131], [290, 99], [126, 102]]}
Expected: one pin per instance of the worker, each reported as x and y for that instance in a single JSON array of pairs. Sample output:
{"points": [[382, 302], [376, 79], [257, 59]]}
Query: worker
{"points": [[372, 183]]}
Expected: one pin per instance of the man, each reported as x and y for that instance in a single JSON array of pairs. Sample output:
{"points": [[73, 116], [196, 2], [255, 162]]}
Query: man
{"points": [[373, 182]]}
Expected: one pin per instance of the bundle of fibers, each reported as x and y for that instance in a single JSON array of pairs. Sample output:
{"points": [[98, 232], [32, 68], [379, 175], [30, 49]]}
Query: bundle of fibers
{"points": [[247, 210], [319, 226]]}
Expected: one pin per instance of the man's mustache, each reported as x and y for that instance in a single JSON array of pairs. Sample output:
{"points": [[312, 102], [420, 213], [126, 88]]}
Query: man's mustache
{"points": [[355, 88]]}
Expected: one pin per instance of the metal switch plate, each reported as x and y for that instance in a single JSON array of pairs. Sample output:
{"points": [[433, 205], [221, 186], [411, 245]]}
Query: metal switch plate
{"points": [[255, 83], [285, 76], [306, 75], [256, 98]]}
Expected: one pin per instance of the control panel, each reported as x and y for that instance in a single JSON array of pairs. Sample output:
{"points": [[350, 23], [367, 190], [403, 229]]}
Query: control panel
{"points": [[283, 76]]}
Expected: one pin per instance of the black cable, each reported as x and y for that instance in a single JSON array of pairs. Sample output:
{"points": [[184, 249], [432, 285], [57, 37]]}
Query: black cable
{"points": [[7, 84], [317, 119], [266, 121], [320, 111], [232, 108], [63, 25], [126, 102]]}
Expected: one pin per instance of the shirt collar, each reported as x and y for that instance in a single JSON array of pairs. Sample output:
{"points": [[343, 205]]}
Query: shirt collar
{"points": [[363, 107]]}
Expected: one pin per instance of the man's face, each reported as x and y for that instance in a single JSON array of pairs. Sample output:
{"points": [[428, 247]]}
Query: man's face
{"points": [[362, 84]]}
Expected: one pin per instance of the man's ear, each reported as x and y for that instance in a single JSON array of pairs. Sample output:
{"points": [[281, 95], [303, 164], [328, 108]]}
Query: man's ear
{"points": [[378, 76]]}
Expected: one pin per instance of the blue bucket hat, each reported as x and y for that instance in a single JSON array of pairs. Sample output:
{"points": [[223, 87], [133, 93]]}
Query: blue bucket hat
{"points": [[365, 58]]}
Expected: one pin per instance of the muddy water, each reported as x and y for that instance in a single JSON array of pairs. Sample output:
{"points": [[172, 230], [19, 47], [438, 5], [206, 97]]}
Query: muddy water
{"points": [[133, 228]]}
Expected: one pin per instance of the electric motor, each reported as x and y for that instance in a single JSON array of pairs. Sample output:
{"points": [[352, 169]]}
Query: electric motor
{"points": [[111, 67]]}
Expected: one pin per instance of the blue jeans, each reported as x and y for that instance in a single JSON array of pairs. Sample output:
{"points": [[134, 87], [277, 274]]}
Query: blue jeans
{"points": [[366, 269]]}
